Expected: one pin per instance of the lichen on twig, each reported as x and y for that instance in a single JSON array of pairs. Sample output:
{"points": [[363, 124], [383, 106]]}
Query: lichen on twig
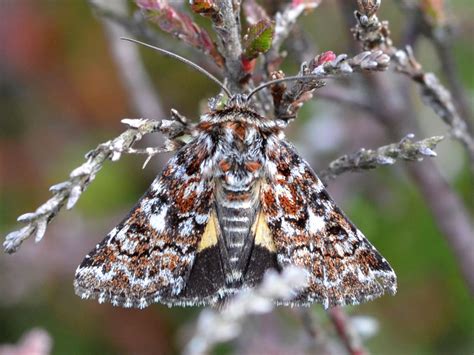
{"points": [[68, 192], [440, 198], [436, 96], [365, 159], [285, 21], [373, 33], [326, 65], [227, 323], [347, 332], [229, 45]]}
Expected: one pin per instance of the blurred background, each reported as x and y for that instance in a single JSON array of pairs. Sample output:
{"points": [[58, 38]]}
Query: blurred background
{"points": [[62, 92]]}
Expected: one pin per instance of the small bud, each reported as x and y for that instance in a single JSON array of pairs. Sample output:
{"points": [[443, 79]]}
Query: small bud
{"points": [[134, 122], [60, 187], [26, 217], [74, 196], [427, 151], [340, 58], [384, 160], [116, 155], [248, 65], [40, 229], [325, 57], [346, 68]]}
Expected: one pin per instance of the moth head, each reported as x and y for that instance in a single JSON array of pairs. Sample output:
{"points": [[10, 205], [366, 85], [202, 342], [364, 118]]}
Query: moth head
{"points": [[238, 100], [235, 101], [243, 100]]}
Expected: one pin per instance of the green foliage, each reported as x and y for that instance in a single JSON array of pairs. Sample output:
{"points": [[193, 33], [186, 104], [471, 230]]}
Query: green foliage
{"points": [[258, 38]]}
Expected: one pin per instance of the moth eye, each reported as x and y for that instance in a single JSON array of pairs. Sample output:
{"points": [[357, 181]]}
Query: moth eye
{"points": [[224, 165], [252, 166]]}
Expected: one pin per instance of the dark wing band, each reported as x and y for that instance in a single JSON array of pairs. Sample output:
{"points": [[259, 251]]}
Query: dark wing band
{"points": [[309, 230], [149, 256]]}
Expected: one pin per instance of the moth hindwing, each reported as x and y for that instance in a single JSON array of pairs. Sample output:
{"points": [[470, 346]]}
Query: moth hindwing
{"points": [[234, 202]]}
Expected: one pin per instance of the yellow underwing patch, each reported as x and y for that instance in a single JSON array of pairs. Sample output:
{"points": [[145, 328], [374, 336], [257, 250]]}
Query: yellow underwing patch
{"points": [[209, 237], [263, 236]]}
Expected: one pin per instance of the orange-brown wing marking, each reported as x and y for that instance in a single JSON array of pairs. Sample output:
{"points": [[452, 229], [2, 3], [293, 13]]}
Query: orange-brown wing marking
{"points": [[149, 256], [310, 231]]}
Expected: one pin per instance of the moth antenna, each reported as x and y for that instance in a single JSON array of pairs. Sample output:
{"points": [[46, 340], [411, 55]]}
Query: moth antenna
{"points": [[276, 81], [184, 60]]}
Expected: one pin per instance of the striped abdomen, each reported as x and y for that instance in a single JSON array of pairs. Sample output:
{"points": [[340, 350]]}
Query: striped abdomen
{"points": [[237, 208]]}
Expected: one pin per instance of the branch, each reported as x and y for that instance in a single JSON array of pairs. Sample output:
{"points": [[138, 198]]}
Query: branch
{"points": [[180, 25], [436, 96], [448, 65], [227, 324], [340, 94], [285, 22], [433, 22], [363, 159], [135, 25], [447, 208], [369, 30], [449, 213], [144, 97], [320, 340], [68, 192], [346, 332], [227, 27], [373, 33], [324, 66]]}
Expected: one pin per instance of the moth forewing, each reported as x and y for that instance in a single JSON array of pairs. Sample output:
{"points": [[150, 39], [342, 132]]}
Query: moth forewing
{"points": [[148, 257], [310, 231], [234, 202]]}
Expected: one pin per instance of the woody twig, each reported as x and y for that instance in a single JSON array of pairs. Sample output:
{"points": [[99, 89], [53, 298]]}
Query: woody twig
{"points": [[450, 214], [375, 34], [364, 159], [67, 193], [227, 324]]}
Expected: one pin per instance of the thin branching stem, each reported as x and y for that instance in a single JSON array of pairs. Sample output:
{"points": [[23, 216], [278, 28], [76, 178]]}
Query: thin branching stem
{"points": [[365, 159], [68, 192], [373, 33]]}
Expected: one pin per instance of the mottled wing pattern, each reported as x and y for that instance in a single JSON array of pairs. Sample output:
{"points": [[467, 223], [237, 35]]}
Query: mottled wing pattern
{"points": [[149, 256], [309, 230]]}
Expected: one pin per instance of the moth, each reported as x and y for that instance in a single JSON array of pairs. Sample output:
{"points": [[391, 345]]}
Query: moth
{"points": [[233, 202]]}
